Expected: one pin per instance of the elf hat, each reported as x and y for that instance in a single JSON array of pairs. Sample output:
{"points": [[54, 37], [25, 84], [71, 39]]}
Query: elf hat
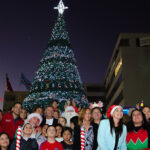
{"points": [[35, 115], [111, 110]]}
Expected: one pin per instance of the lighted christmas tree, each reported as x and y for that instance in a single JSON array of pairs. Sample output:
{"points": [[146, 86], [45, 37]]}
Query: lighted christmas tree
{"points": [[57, 77]]}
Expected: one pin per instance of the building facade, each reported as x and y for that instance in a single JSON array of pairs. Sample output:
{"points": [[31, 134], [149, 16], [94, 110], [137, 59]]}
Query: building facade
{"points": [[127, 79], [95, 92]]}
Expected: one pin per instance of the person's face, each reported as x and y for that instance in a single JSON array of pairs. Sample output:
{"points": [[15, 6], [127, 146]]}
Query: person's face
{"points": [[56, 114], [55, 104], [49, 112], [62, 121], [4, 141], [66, 135], [39, 111], [23, 114], [96, 114], [87, 116], [51, 132], [27, 129], [34, 121], [146, 111], [17, 109], [72, 126], [44, 129], [137, 117], [58, 130], [118, 113]]}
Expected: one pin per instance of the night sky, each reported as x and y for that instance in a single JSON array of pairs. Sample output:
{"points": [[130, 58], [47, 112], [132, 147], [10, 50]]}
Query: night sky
{"points": [[93, 26]]}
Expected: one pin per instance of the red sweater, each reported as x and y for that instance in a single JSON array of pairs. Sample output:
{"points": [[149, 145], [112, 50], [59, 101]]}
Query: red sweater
{"points": [[51, 146], [8, 124]]}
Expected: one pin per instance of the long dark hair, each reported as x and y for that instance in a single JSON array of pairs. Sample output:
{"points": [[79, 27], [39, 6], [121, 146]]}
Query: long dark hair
{"points": [[8, 138], [130, 125], [112, 126], [145, 125]]}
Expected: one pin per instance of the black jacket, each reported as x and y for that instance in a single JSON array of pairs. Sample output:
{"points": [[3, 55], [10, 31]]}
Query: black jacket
{"points": [[77, 138], [30, 144], [55, 121], [95, 130]]}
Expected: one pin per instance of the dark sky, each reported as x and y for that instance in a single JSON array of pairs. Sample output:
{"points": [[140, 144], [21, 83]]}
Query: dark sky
{"points": [[93, 26]]}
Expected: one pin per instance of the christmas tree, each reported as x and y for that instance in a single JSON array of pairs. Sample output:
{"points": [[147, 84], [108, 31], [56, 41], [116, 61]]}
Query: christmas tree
{"points": [[57, 77]]}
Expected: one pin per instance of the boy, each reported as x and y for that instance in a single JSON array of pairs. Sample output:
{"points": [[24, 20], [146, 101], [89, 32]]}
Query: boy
{"points": [[51, 143]]}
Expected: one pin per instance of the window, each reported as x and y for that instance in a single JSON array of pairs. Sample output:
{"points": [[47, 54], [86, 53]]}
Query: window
{"points": [[124, 42], [118, 67], [144, 41]]}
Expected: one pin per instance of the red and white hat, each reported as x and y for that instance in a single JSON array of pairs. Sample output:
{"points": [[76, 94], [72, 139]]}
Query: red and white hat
{"points": [[35, 115], [111, 109]]}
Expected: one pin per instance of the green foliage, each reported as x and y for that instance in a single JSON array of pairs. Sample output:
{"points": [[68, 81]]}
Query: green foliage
{"points": [[57, 76]]}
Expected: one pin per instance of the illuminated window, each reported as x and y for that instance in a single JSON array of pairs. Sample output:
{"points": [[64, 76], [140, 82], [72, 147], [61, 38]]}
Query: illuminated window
{"points": [[118, 67]]}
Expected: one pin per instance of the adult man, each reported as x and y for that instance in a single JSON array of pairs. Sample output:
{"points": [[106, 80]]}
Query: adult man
{"points": [[11, 120], [49, 119]]}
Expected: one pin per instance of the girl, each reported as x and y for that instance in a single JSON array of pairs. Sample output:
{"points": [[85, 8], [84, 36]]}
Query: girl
{"points": [[42, 138], [59, 129], [4, 141], [26, 143], [83, 133], [51, 143], [62, 121], [67, 134], [111, 132], [138, 136], [96, 118], [146, 111]]}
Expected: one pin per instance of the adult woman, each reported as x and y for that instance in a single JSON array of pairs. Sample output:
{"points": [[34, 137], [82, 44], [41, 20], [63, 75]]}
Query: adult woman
{"points": [[96, 118], [146, 111], [4, 141], [111, 131], [83, 134], [138, 136]]}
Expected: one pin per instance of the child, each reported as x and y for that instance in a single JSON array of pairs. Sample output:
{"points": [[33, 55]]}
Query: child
{"points": [[59, 128], [51, 143], [62, 121], [26, 143], [4, 141], [42, 138], [67, 134], [56, 114]]}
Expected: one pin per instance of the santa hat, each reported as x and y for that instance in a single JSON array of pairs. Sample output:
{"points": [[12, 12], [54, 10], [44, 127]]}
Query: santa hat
{"points": [[111, 110], [35, 115]]}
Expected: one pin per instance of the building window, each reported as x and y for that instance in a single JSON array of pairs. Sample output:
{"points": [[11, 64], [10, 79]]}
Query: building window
{"points": [[124, 42], [144, 41], [118, 67]]}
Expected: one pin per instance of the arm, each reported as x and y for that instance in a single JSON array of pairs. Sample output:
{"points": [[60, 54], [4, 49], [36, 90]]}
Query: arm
{"points": [[34, 144], [13, 145], [102, 143], [124, 145]]}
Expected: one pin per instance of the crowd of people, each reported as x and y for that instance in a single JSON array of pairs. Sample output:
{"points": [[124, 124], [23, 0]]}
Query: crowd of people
{"points": [[75, 129]]}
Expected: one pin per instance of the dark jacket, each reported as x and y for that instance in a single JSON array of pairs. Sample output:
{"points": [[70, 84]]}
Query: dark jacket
{"points": [[77, 138], [55, 121], [9, 125], [30, 144], [95, 130]]}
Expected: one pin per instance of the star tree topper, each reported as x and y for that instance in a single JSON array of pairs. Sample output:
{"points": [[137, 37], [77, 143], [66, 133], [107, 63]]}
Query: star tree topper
{"points": [[61, 7]]}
